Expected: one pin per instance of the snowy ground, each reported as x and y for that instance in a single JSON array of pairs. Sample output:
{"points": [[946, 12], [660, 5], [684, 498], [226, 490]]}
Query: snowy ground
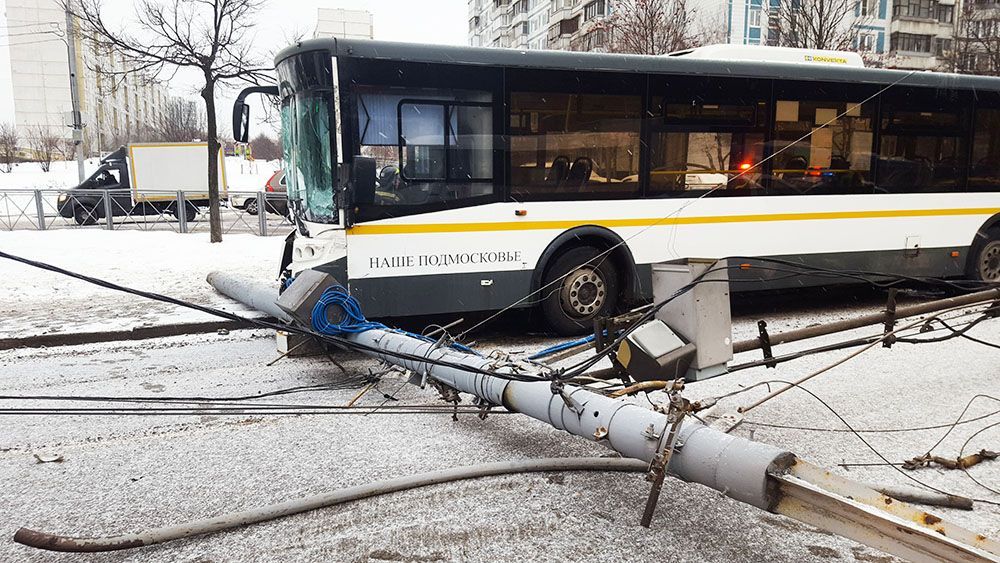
{"points": [[38, 302], [129, 473], [125, 474]]}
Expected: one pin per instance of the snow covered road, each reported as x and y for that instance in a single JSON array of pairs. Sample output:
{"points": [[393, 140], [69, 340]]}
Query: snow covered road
{"points": [[124, 474]]}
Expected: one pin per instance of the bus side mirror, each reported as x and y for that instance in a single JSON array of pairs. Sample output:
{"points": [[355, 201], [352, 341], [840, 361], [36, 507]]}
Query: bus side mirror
{"points": [[363, 180], [241, 122], [241, 111]]}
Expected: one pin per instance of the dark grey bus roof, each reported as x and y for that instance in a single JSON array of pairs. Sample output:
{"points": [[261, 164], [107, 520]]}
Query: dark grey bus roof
{"points": [[574, 60]]}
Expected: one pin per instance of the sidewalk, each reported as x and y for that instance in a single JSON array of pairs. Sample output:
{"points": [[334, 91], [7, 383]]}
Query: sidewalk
{"points": [[44, 303]]}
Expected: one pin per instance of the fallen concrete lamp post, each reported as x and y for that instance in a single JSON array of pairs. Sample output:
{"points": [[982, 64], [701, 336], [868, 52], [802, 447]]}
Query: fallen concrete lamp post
{"points": [[761, 475]]}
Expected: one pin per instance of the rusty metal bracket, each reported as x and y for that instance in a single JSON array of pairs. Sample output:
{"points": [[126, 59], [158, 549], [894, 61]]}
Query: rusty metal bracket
{"points": [[765, 343], [559, 388], [890, 319], [665, 449]]}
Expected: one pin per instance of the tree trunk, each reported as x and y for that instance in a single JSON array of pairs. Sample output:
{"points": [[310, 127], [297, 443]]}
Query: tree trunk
{"points": [[214, 211]]}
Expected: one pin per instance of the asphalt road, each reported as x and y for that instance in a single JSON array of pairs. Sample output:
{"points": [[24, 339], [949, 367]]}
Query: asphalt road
{"points": [[126, 474]]}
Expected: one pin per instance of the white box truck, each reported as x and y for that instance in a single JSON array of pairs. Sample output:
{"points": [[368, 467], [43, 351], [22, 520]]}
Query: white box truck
{"points": [[144, 179]]}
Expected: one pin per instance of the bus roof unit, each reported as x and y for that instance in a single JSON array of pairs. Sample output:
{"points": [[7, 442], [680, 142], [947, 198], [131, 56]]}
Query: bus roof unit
{"points": [[762, 53]]}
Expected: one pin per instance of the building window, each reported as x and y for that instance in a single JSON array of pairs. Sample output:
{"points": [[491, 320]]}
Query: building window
{"points": [[942, 46], [911, 42], [593, 10], [867, 7], [594, 40], [754, 17], [924, 9], [569, 26], [866, 42], [946, 14]]}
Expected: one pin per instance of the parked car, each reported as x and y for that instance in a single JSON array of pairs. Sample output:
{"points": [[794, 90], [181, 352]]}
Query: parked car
{"points": [[276, 193]]}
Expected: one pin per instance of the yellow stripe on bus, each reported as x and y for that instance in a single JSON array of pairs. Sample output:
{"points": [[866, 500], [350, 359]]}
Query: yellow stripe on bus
{"points": [[400, 229]]}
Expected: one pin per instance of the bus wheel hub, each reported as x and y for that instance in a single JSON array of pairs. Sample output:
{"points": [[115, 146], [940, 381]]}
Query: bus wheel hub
{"points": [[583, 292], [989, 269]]}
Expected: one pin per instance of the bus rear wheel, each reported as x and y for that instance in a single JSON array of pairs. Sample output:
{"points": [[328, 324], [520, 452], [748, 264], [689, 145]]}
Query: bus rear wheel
{"points": [[579, 286], [987, 257]]}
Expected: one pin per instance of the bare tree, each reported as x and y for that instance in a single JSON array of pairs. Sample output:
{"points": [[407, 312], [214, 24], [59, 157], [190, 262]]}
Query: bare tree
{"points": [[976, 46], [212, 37], [67, 148], [8, 147], [45, 146], [649, 27], [266, 148], [182, 121], [820, 24]]}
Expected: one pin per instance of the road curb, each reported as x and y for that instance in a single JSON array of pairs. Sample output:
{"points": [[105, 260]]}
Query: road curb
{"points": [[139, 333]]}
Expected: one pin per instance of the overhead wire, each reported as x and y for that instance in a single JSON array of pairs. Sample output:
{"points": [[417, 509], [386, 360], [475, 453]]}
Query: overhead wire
{"points": [[859, 436], [336, 340]]}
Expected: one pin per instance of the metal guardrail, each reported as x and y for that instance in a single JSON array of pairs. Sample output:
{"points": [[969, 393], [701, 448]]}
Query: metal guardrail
{"points": [[46, 209]]}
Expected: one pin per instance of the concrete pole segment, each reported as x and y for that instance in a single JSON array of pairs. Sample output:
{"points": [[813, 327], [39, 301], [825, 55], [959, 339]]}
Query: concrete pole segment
{"points": [[254, 295], [732, 465]]}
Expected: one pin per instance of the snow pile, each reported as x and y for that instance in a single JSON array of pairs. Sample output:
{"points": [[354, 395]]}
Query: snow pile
{"points": [[40, 302]]}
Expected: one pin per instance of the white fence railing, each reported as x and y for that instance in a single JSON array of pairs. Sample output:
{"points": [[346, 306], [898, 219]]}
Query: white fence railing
{"points": [[46, 209]]}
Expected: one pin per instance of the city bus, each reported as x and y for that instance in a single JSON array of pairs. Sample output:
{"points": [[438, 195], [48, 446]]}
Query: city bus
{"points": [[433, 179]]}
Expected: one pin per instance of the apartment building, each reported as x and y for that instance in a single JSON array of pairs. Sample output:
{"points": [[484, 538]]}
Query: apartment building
{"points": [[907, 34], [345, 24], [538, 24], [35, 85]]}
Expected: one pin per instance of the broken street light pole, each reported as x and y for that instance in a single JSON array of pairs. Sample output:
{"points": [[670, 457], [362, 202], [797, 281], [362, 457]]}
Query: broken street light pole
{"points": [[758, 474]]}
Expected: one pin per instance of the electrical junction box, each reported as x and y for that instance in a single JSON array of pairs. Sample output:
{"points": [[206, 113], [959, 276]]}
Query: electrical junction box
{"points": [[301, 296], [701, 315], [653, 352]]}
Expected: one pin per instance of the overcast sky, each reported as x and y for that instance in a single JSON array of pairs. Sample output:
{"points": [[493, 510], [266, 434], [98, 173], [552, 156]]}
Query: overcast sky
{"points": [[419, 21], [281, 21]]}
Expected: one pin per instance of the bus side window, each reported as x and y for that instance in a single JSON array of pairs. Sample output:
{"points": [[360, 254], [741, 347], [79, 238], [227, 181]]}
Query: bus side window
{"points": [[707, 136], [431, 146], [922, 142], [822, 147], [565, 143], [985, 173]]}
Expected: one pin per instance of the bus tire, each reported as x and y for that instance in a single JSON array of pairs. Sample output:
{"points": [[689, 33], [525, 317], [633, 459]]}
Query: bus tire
{"points": [[580, 285], [985, 256]]}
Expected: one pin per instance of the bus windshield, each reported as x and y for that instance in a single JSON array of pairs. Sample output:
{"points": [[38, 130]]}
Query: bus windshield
{"points": [[305, 130]]}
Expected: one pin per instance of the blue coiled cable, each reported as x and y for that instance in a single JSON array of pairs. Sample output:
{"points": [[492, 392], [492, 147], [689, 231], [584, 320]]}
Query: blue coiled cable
{"points": [[353, 320]]}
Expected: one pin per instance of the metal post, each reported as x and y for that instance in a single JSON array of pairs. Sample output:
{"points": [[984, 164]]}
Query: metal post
{"points": [[262, 212], [758, 474], [74, 95], [182, 216], [40, 210], [109, 211]]}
